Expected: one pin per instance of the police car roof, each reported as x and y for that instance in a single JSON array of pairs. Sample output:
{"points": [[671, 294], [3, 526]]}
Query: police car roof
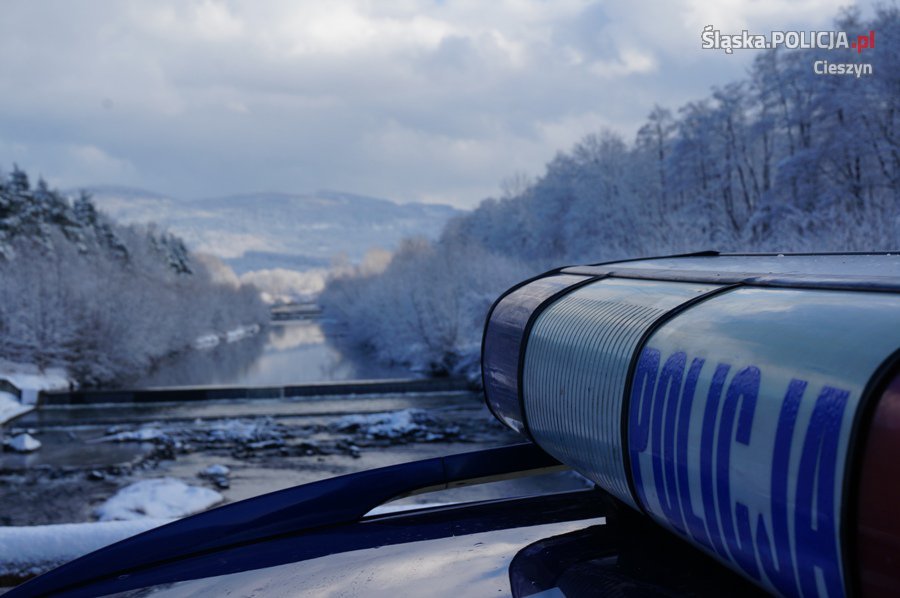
{"points": [[852, 271]]}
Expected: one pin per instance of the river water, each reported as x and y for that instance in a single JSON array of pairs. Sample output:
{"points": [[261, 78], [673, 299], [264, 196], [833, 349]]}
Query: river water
{"points": [[285, 353]]}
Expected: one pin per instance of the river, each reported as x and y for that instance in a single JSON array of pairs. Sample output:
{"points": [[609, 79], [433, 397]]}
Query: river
{"points": [[284, 353]]}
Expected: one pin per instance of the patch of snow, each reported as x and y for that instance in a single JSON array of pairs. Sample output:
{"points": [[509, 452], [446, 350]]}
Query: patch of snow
{"points": [[216, 470], [207, 341], [31, 379], [163, 498], [31, 550], [146, 434], [239, 430], [226, 431], [391, 424], [10, 407], [23, 443], [241, 332]]}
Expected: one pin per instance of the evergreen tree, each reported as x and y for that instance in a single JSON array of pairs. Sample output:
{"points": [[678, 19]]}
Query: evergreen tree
{"points": [[102, 300]]}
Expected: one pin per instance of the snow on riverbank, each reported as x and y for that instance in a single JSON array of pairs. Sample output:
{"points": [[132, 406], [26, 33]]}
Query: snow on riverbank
{"points": [[208, 341], [31, 380], [249, 431], [10, 407], [405, 424], [22, 443], [241, 332], [28, 551], [163, 498], [383, 425]]}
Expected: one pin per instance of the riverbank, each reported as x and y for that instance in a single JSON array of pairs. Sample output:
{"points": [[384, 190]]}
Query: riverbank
{"points": [[30, 380], [284, 353], [20, 386], [262, 447]]}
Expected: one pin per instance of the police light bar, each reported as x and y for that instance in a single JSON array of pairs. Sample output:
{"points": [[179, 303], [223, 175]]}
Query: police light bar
{"points": [[748, 403]]}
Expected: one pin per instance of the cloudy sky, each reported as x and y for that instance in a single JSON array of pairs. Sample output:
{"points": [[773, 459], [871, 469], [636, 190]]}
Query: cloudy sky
{"points": [[412, 100]]}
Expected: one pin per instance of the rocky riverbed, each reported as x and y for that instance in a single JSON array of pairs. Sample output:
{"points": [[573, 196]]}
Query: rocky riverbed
{"points": [[82, 465]]}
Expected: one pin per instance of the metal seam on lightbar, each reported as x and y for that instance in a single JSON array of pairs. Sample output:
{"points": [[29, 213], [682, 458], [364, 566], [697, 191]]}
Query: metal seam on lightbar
{"points": [[527, 332], [487, 323], [629, 380], [594, 362]]}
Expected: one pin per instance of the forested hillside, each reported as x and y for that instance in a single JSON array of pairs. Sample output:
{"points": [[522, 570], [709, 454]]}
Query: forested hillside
{"points": [[783, 160], [102, 300]]}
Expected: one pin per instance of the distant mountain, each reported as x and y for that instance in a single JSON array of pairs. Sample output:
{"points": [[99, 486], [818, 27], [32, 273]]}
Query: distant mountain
{"points": [[271, 230]]}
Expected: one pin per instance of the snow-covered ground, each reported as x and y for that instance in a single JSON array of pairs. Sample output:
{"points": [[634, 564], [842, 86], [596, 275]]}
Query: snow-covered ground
{"points": [[232, 457], [10, 407], [221, 431], [162, 498], [394, 425], [31, 380], [27, 551], [215, 469], [30, 550], [144, 434], [208, 341], [23, 443]]}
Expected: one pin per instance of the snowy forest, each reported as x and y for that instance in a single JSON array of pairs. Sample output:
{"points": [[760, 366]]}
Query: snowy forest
{"points": [[101, 300], [783, 160]]}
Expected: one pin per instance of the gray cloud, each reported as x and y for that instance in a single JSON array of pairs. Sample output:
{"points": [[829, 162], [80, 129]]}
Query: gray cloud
{"points": [[411, 100]]}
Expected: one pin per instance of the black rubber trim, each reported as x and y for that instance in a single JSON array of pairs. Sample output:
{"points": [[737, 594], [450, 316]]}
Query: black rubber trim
{"points": [[789, 254], [714, 253], [526, 333], [755, 279], [629, 380], [859, 434], [705, 253], [487, 322], [762, 279]]}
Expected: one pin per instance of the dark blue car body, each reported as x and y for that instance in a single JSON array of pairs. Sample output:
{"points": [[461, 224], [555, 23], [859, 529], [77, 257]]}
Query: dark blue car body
{"points": [[317, 540]]}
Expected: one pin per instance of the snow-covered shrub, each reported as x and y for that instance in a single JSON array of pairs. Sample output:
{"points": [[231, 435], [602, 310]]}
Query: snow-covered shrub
{"points": [[782, 161]]}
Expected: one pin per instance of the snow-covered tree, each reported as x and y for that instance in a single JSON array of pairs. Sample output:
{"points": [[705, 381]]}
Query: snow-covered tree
{"points": [[103, 300], [785, 160]]}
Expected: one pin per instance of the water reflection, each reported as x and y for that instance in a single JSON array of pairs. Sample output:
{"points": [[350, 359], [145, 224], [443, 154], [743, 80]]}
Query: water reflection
{"points": [[294, 352]]}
